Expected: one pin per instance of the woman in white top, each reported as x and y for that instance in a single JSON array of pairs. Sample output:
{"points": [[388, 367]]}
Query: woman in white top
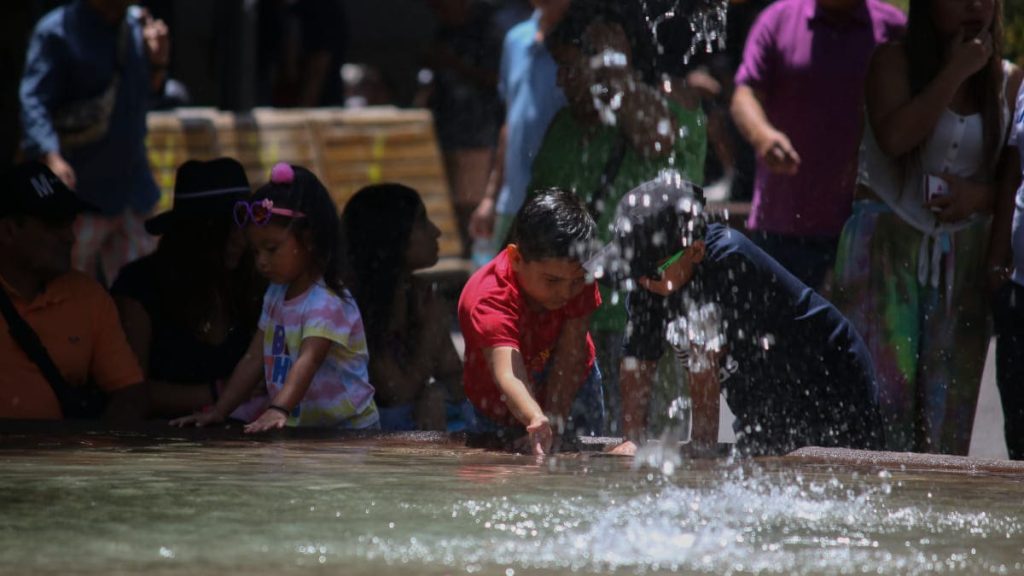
{"points": [[910, 270]]}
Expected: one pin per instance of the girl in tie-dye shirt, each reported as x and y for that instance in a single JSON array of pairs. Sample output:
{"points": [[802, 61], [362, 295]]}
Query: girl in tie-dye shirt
{"points": [[310, 348]]}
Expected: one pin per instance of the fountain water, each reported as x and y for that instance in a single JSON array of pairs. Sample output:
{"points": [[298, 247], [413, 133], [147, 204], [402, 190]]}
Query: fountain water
{"points": [[214, 502], [168, 501]]}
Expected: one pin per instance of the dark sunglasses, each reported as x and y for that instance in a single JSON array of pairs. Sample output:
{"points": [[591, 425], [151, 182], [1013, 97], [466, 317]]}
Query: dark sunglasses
{"points": [[259, 212]]}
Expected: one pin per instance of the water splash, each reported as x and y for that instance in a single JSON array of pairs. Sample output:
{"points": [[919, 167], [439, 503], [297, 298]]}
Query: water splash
{"points": [[697, 336], [746, 519], [608, 93], [706, 20]]}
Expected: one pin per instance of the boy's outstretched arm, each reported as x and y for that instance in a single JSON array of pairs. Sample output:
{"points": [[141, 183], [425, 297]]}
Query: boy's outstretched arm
{"points": [[311, 355], [509, 371]]}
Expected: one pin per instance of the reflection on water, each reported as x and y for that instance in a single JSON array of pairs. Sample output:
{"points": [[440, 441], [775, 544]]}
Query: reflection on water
{"points": [[100, 504]]}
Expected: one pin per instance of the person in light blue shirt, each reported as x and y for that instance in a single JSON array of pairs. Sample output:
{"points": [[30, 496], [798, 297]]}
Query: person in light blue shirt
{"points": [[1006, 278], [528, 86], [90, 70]]}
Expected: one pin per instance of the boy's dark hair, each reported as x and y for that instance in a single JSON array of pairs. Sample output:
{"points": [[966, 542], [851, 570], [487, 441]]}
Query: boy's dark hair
{"points": [[657, 218], [554, 223], [305, 193], [580, 15], [661, 33], [652, 221]]}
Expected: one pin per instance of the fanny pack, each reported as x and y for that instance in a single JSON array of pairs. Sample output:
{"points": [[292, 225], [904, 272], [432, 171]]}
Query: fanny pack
{"points": [[87, 121], [76, 402]]}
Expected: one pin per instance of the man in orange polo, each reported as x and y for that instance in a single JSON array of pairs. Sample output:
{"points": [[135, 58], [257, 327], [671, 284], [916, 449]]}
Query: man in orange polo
{"points": [[74, 317]]}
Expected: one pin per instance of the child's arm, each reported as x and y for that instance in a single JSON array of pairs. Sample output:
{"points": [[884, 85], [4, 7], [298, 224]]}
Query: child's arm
{"points": [[568, 366], [635, 384], [509, 371], [244, 377], [311, 355], [449, 369], [1000, 255], [705, 392], [1000, 252], [401, 382]]}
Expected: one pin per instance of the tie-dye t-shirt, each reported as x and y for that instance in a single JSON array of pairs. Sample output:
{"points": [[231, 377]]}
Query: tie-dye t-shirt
{"points": [[340, 393]]}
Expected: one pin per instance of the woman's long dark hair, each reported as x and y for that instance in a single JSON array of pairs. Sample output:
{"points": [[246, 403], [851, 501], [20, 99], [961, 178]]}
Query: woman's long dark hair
{"points": [[193, 277], [925, 52], [306, 194], [376, 224]]}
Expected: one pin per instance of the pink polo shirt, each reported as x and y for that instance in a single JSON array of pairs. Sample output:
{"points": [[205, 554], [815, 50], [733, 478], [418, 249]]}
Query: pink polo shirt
{"points": [[811, 70]]}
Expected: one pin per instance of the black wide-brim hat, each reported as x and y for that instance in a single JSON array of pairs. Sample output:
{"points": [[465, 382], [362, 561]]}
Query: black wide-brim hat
{"points": [[203, 188]]}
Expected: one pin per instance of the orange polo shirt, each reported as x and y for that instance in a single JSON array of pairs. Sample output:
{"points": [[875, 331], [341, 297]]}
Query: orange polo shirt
{"points": [[77, 322]]}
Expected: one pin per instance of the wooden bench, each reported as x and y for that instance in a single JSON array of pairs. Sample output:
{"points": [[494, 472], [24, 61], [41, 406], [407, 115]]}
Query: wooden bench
{"points": [[346, 149]]}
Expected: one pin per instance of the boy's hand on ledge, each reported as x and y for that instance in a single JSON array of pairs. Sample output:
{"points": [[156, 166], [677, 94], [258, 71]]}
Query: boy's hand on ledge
{"points": [[627, 448], [539, 431]]}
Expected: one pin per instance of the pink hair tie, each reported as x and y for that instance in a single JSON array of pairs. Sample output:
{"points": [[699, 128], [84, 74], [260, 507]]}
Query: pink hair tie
{"points": [[282, 173]]}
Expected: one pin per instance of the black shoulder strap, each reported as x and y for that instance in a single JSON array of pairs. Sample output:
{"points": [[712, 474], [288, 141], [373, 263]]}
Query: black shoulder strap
{"points": [[29, 341], [611, 171]]}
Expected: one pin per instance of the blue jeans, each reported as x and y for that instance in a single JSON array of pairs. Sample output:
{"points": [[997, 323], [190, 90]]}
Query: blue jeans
{"points": [[399, 418], [809, 258], [586, 417]]}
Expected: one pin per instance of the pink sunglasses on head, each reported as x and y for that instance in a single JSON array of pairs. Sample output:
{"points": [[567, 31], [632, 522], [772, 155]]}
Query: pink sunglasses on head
{"points": [[259, 212]]}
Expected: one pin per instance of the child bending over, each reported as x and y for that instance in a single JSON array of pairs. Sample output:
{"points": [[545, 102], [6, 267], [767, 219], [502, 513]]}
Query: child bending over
{"points": [[529, 357], [794, 370]]}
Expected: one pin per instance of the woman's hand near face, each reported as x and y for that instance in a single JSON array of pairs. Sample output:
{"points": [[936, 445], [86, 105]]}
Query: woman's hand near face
{"points": [[967, 56]]}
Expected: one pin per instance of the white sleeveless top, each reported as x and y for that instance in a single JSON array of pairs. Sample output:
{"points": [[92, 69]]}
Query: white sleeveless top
{"points": [[956, 146]]}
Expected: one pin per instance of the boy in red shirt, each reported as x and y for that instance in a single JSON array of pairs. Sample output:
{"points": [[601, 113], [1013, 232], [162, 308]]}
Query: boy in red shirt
{"points": [[529, 357]]}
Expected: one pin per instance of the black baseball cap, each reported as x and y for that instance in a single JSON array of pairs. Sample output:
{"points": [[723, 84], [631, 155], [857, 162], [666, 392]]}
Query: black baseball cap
{"points": [[31, 189], [652, 222]]}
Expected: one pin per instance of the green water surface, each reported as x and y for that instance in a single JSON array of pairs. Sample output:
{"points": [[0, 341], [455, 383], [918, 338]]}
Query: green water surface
{"points": [[110, 504]]}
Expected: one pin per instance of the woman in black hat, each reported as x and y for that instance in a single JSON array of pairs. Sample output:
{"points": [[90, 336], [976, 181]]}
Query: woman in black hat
{"points": [[190, 308]]}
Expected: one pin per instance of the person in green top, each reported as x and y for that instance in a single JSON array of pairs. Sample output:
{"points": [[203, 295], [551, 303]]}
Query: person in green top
{"points": [[617, 131]]}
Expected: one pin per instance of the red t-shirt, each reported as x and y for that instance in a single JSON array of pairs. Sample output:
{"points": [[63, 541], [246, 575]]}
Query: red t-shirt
{"points": [[492, 313]]}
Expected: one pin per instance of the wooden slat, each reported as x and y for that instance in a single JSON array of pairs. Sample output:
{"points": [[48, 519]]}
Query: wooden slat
{"points": [[347, 149]]}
